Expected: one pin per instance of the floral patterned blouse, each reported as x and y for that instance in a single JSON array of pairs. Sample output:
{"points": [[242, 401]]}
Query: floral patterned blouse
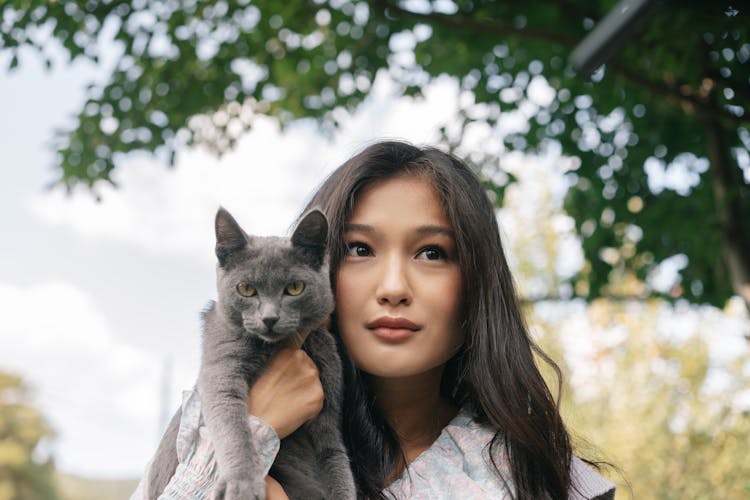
{"points": [[457, 465]]}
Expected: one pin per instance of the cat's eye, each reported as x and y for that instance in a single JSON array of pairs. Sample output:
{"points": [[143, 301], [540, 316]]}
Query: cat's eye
{"points": [[246, 290], [294, 288]]}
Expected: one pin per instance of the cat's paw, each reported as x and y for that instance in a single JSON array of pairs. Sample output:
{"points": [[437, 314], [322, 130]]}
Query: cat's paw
{"points": [[239, 489]]}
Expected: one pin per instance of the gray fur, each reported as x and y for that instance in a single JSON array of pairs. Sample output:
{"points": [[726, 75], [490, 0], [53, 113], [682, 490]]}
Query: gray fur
{"points": [[239, 336]]}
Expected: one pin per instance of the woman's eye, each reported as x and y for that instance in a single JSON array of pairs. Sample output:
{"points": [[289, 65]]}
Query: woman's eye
{"points": [[246, 290], [431, 253], [295, 288], [357, 250]]}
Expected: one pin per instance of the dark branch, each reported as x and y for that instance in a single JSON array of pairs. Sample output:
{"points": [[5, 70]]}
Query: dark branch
{"points": [[693, 102], [474, 25], [559, 298], [495, 27]]}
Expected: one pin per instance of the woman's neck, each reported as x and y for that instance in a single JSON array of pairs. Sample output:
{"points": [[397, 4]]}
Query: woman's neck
{"points": [[415, 410]]}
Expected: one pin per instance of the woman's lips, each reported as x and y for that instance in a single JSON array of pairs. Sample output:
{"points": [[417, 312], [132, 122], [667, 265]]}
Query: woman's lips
{"points": [[393, 328]]}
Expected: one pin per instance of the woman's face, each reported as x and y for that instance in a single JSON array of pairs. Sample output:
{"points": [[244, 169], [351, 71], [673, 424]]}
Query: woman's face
{"points": [[399, 289]]}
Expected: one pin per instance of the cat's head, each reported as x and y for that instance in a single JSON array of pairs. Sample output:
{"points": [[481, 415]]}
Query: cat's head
{"points": [[273, 287]]}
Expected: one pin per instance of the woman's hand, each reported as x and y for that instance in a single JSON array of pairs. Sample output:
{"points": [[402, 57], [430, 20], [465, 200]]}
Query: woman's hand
{"points": [[288, 393], [274, 491]]}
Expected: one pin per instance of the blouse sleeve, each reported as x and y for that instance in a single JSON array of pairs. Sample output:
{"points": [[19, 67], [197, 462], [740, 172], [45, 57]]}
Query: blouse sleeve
{"points": [[196, 471], [588, 484]]}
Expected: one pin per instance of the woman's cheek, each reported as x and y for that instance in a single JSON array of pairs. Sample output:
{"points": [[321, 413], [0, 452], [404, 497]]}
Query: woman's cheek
{"points": [[346, 304]]}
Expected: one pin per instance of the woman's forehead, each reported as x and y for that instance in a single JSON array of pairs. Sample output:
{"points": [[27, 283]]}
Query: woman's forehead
{"points": [[401, 200]]}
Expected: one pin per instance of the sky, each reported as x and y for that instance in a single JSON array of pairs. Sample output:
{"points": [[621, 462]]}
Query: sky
{"points": [[100, 302]]}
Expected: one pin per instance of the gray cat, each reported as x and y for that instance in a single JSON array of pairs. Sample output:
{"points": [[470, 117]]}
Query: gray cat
{"points": [[269, 289]]}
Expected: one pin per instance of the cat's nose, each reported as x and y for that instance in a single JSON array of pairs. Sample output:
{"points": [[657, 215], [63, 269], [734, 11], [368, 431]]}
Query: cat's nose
{"points": [[270, 321]]}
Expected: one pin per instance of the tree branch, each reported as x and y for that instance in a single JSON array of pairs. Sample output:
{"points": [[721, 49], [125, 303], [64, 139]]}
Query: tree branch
{"points": [[487, 27], [611, 298], [729, 208], [686, 101]]}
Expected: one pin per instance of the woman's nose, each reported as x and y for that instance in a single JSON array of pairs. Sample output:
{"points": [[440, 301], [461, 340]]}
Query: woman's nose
{"points": [[394, 287]]}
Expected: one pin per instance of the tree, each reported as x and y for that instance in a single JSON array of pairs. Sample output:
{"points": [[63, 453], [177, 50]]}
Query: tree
{"points": [[661, 131], [657, 389], [22, 427], [674, 419]]}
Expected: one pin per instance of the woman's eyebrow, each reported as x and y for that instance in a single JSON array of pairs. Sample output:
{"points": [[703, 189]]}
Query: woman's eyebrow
{"points": [[359, 228], [423, 230], [441, 230]]}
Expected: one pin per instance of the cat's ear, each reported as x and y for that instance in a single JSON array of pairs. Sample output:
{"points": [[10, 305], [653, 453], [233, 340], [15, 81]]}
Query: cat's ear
{"points": [[229, 236], [311, 235]]}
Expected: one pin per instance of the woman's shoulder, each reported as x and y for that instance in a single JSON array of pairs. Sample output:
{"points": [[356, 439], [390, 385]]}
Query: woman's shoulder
{"points": [[459, 462], [588, 483]]}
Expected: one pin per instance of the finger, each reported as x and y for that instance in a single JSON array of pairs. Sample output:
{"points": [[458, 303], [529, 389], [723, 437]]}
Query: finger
{"points": [[296, 341], [274, 491]]}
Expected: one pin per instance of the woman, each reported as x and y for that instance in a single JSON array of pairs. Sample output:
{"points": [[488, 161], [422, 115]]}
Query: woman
{"points": [[444, 399]]}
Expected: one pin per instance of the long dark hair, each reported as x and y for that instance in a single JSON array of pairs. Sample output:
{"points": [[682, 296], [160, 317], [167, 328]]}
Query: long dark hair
{"points": [[495, 369]]}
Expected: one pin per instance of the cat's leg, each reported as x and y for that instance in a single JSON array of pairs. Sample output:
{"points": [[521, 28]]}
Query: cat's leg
{"points": [[326, 427], [332, 456], [224, 406], [165, 460], [296, 467]]}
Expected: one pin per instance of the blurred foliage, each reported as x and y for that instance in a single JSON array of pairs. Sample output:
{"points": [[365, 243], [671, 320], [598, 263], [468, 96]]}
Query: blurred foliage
{"points": [[22, 475], [79, 488], [674, 422], [661, 132], [661, 391]]}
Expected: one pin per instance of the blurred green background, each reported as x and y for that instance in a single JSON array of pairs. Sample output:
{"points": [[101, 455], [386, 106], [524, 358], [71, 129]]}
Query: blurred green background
{"points": [[624, 196]]}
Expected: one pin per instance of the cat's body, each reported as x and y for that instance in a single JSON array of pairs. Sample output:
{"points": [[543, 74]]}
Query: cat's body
{"points": [[270, 289]]}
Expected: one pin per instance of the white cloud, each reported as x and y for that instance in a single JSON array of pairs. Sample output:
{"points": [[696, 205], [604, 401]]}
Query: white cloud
{"points": [[264, 182], [97, 392], [170, 211]]}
